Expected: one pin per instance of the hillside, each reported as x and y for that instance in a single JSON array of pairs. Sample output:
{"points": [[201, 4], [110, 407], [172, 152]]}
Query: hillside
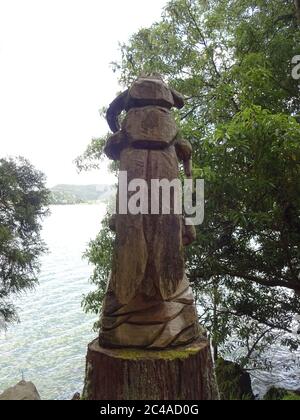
{"points": [[76, 194]]}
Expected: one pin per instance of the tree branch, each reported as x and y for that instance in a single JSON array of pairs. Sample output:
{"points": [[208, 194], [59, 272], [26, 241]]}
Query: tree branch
{"points": [[269, 283], [269, 324], [260, 337]]}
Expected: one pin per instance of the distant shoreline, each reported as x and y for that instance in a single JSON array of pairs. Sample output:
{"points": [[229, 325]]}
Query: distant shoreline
{"points": [[65, 194], [89, 203]]}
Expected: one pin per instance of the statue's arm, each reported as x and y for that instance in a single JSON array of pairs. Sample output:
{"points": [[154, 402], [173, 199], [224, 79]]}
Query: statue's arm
{"points": [[189, 234], [184, 153], [115, 109]]}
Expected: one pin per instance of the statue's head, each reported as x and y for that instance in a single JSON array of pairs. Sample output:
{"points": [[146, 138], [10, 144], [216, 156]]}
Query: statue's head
{"points": [[146, 90], [151, 90]]}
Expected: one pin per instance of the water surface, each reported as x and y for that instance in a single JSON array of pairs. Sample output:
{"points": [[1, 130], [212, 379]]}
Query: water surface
{"points": [[49, 345]]}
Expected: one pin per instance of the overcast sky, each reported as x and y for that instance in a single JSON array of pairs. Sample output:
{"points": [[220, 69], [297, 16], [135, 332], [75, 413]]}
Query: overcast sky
{"points": [[55, 75]]}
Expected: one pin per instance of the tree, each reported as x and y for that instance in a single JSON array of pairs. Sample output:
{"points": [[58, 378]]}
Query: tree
{"points": [[99, 253], [232, 60], [23, 197]]}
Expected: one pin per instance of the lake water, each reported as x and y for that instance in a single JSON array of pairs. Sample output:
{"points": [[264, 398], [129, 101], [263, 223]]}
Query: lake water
{"points": [[49, 345]]}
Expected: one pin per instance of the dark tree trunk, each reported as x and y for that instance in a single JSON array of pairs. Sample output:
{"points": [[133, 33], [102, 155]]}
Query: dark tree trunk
{"points": [[184, 373], [297, 6]]}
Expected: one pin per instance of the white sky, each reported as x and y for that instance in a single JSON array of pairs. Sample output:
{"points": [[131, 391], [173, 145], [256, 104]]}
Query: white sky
{"points": [[55, 76]]}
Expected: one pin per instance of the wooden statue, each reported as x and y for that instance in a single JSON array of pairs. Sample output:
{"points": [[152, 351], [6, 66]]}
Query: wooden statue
{"points": [[149, 303], [149, 306]]}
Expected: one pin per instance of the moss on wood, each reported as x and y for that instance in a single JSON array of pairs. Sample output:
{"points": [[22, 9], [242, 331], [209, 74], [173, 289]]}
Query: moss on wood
{"points": [[138, 354]]}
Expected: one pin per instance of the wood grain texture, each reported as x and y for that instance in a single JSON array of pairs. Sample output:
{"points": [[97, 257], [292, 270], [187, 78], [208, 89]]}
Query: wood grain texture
{"points": [[182, 374]]}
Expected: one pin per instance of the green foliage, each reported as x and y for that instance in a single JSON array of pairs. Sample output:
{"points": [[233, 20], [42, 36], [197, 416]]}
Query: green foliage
{"points": [[232, 61], [290, 396], [92, 156], [233, 382], [252, 225], [99, 253], [249, 242], [281, 394], [23, 201], [62, 198], [223, 55]]}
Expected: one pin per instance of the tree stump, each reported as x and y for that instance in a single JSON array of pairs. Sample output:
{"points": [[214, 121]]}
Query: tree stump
{"points": [[183, 373]]}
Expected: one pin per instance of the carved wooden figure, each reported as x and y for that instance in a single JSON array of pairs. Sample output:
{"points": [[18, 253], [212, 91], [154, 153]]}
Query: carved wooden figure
{"points": [[149, 303]]}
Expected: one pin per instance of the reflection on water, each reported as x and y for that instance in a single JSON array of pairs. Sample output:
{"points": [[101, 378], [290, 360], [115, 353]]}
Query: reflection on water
{"points": [[49, 345], [285, 372]]}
